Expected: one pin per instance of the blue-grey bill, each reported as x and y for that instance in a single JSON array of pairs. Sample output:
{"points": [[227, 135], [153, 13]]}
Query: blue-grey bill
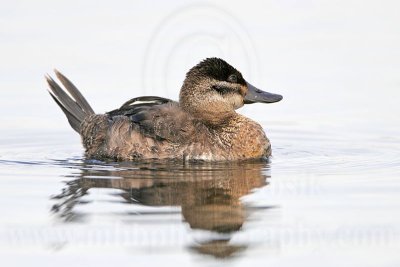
{"points": [[255, 95]]}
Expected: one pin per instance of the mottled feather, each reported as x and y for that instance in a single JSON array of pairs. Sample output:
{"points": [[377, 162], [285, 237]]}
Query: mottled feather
{"points": [[156, 117]]}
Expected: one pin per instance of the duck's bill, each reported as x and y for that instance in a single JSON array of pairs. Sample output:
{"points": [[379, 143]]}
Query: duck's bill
{"points": [[255, 95]]}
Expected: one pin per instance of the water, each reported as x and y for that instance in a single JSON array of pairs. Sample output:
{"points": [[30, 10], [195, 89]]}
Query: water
{"points": [[329, 194]]}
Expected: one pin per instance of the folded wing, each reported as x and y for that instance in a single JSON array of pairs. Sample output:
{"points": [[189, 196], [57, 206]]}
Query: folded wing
{"points": [[157, 117]]}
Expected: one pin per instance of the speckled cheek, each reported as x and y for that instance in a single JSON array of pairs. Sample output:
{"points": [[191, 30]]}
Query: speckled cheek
{"points": [[237, 101]]}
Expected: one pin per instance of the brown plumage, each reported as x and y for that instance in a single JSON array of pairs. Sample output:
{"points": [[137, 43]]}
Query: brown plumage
{"points": [[203, 125]]}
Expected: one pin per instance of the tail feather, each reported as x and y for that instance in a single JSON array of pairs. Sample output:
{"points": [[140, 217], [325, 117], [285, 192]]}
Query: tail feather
{"points": [[73, 121], [81, 101], [74, 106]]}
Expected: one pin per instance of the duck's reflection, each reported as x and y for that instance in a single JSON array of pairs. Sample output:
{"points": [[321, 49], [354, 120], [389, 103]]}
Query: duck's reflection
{"points": [[208, 194]]}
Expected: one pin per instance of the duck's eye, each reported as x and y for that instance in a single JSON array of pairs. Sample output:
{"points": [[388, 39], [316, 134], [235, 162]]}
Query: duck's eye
{"points": [[232, 78]]}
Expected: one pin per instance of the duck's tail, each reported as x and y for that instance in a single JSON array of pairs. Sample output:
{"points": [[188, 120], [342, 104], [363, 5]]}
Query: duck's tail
{"points": [[74, 105]]}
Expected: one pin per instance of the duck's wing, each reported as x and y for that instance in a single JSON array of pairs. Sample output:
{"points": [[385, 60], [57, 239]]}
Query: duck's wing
{"points": [[137, 104], [157, 117]]}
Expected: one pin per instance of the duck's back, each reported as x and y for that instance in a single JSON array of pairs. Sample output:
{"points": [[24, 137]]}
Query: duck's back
{"points": [[143, 128]]}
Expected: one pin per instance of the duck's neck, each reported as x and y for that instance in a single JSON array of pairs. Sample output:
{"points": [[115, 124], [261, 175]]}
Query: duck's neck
{"points": [[213, 116]]}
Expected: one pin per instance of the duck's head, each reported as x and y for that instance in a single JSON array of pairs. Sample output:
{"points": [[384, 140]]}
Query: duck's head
{"points": [[213, 90]]}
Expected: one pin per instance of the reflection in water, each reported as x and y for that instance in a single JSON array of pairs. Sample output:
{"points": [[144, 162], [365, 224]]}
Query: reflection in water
{"points": [[208, 194]]}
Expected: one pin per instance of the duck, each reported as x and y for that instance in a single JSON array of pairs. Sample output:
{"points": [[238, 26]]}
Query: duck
{"points": [[202, 125]]}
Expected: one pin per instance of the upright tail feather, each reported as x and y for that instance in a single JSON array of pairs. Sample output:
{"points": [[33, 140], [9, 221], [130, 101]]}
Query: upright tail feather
{"points": [[74, 105]]}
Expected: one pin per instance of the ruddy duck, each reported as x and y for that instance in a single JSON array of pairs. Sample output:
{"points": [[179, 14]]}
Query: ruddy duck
{"points": [[203, 125]]}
